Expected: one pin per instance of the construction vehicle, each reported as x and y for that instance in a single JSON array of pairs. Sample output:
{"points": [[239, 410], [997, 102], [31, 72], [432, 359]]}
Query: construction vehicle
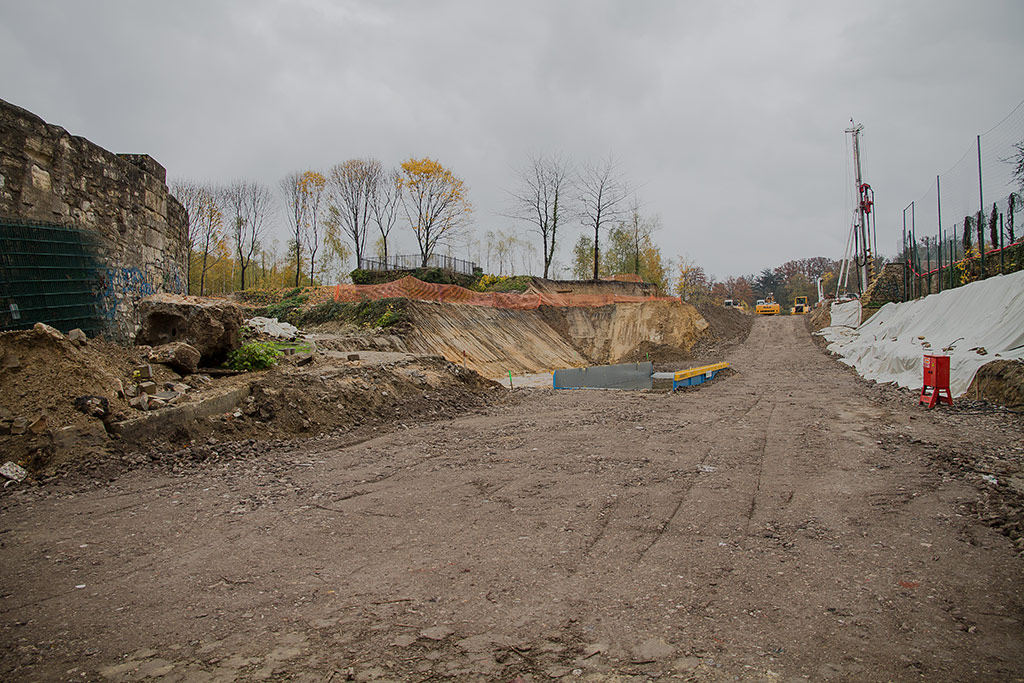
{"points": [[768, 306], [800, 306]]}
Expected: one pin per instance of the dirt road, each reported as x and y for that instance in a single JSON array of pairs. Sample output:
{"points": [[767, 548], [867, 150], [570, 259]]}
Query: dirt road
{"points": [[786, 521]]}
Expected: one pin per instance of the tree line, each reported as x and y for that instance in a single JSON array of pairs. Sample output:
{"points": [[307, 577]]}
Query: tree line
{"points": [[356, 207], [331, 217]]}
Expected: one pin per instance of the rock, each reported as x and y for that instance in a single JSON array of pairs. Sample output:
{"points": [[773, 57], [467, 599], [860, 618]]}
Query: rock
{"points": [[211, 326], [38, 425], [13, 471], [144, 371], [155, 403], [44, 330], [168, 397], [148, 388], [140, 402], [11, 361], [118, 388], [19, 425], [352, 356], [177, 355], [5, 427], [272, 328], [404, 640], [652, 650], [78, 337], [436, 633], [97, 406], [180, 387]]}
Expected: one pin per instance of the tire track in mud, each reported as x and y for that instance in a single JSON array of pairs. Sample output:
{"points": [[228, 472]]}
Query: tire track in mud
{"points": [[709, 435]]}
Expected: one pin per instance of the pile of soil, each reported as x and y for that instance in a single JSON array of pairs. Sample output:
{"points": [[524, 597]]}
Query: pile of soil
{"points": [[325, 398], [1000, 382], [819, 318], [42, 373]]}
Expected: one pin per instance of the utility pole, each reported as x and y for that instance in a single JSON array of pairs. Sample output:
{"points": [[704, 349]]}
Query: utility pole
{"points": [[861, 216]]}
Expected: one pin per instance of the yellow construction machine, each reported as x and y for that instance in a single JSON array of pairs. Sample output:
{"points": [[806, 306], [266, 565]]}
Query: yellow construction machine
{"points": [[767, 306], [800, 306]]}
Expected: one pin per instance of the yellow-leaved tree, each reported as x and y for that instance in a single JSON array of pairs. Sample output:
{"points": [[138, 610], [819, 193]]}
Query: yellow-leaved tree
{"points": [[435, 202]]}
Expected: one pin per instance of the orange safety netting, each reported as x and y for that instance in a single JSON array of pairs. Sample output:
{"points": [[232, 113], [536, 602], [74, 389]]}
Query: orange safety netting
{"points": [[411, 288]]}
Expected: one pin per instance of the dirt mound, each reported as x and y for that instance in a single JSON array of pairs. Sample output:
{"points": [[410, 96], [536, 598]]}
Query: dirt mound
{"points": [[41, 376], [819, 318], [1000, 382], [495, 341]]}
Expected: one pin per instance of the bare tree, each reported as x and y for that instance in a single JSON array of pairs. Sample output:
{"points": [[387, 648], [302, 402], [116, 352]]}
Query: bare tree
{"points": [[313, 186], [386, 201], [188, 193], [205, 225], [248, 205], [295, 201], [640, 229], [353, 191], [602, 193], [540, 198]]}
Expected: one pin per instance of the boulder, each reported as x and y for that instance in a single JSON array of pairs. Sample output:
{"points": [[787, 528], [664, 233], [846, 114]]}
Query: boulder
{"points": [[211, 326], [272, 327], [177, 355], [77, 336]]}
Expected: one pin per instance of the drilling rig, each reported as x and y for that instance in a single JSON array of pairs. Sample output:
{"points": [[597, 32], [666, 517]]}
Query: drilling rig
{"points": [[860, 245]]}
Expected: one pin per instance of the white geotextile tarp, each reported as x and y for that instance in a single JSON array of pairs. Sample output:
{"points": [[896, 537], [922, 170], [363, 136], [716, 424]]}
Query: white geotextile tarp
{"points": [[890, 346], [845, 314]]}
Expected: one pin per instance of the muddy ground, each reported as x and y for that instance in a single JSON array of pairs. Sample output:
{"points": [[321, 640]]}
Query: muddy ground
{"points": [[787, 522]]}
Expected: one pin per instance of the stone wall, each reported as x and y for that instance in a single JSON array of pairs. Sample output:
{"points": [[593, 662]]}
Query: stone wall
{"points": [[50, 176]]}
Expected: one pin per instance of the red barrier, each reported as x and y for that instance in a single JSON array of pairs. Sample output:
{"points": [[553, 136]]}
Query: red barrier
{"points": [[410, 288]]}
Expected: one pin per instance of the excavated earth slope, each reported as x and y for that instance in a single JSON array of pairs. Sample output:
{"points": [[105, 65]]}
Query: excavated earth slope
{"points": [[494, 341]]}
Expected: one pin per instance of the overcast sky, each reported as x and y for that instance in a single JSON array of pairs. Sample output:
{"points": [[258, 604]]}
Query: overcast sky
{"points": [[729, 117]]}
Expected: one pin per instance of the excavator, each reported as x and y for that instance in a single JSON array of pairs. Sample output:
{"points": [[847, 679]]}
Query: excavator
{"points": [[767, 306], [800, 306]]}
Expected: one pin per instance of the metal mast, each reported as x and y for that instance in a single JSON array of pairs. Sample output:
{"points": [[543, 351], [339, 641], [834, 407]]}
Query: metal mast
{"points": [[861, 231]]}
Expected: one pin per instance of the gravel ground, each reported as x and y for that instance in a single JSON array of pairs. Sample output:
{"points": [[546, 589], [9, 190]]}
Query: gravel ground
{"points": [[787, 521]]}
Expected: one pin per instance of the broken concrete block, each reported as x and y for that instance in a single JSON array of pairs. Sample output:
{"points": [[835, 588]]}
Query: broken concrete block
{"points": [[148, 388], [155, 403], [144, 371], [177, 355], [19, 425], [78, 337], [44, 330], [211, 326], [131, 391], [38, 425], [180, 387], [141, 402], [168, 397], [13, 471], [11, 361], [352, 356], [97, 406]]}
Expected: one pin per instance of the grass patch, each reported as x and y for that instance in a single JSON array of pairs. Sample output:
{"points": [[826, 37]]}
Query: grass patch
{"points": [[502, 283], [367, 313]]}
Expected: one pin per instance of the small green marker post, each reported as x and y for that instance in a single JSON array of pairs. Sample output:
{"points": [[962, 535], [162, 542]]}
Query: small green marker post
{"points": [[510, 380]]}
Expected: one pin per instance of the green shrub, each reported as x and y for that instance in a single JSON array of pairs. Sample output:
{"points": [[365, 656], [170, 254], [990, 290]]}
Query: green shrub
{"points": [[364, 313], [502, 283], [253, 356], [288, 309]]}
